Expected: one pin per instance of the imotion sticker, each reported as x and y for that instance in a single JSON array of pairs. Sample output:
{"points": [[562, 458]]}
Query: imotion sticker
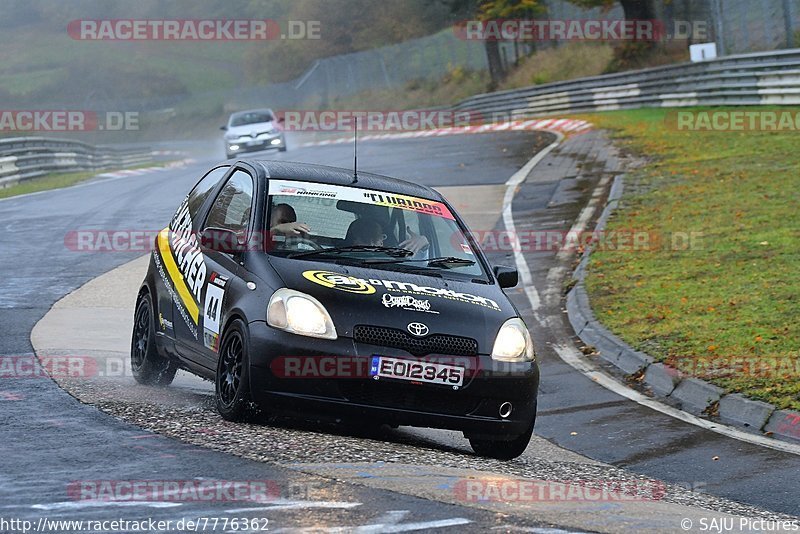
{"points": [[340, 282], [361, 286]]}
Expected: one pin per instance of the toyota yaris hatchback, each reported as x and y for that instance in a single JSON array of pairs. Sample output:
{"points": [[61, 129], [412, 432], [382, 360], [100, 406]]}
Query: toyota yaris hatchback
{"points": [[303, 290]]}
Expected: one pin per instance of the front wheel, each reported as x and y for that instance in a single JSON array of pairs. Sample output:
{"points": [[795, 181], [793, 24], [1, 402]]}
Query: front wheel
{"points": [[148, 366], [502, 450], [233, 376]]}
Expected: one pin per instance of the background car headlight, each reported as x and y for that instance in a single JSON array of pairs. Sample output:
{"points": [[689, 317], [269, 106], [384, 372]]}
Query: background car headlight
{"points": [[299, 313], [513, 342]]}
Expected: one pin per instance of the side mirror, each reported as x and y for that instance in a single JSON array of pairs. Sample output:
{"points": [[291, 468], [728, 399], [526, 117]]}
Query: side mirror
{"points": [[223, 128], [220, 240], [506, 276]]}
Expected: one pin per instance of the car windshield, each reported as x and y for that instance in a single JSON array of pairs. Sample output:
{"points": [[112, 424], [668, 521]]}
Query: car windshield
{"points": [[380, 229], [251, 117]]}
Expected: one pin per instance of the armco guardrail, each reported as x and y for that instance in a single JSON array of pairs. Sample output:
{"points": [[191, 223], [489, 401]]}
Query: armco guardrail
{"points": [[26, 158], [752, 79]]}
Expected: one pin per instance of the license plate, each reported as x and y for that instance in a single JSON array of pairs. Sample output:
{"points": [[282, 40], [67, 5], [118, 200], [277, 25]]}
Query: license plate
{"points": [[428, 372], [255, 142]]}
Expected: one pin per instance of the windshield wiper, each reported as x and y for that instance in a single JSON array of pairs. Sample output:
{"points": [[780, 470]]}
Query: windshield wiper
{"points": [[445, 261], [389, 251]]}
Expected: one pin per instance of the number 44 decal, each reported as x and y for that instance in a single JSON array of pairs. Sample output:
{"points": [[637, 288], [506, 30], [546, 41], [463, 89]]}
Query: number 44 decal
{"points": [[211, 315]]}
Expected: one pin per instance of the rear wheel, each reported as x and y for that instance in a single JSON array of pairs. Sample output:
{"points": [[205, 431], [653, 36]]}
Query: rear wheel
{"points": [[148, 366], [502, 450], [233, 377]]}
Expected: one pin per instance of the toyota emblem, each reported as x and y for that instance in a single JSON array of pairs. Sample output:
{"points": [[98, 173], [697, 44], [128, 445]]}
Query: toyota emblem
{"points": [[417, 329]]}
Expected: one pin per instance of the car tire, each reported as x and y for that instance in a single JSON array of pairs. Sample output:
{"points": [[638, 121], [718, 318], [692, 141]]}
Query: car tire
{"points": [[148, 366], [500, 449], [232, 382], [229, 156]]}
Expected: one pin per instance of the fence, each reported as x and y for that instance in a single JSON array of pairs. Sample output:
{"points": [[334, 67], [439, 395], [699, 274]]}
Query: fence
{"points": [[738, 26], [25, 158], [749, 79]]}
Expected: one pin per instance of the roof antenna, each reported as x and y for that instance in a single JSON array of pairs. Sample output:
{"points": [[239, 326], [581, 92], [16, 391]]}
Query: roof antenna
{"points": [[355, 152]]}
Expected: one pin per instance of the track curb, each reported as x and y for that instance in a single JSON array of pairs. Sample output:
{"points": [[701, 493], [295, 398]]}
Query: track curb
{"points": [[692, 395]]}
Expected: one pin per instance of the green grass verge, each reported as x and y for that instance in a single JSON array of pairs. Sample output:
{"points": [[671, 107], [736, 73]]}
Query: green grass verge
{"points": [[58, 181], [727, 309]]}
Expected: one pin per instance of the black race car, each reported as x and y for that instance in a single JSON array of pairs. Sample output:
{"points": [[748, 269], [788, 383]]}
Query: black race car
{"points": [[304, 290]]}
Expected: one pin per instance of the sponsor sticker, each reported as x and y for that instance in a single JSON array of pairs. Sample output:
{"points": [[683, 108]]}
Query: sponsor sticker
{"points": [[351, 284], [211, 315], [406, 302], [363, 196]]}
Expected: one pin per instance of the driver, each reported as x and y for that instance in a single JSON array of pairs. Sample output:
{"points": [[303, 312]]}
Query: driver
{"points": [[365, 231], [368, 231], [284, 221]]}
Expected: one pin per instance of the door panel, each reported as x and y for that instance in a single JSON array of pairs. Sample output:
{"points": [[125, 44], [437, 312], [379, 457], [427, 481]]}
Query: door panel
{"points": [[230, 210]]}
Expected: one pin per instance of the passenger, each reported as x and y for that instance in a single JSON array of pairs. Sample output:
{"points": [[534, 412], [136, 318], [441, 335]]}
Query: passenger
{"points": [[284, 221]]}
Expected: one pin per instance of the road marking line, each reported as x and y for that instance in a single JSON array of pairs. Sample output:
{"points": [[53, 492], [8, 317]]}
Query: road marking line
{"points": [[570, 355], [508, 220]]}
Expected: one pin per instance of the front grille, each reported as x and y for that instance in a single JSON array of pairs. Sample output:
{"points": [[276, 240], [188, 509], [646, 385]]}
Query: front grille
{"points": [[418, 346], [420, 398]]}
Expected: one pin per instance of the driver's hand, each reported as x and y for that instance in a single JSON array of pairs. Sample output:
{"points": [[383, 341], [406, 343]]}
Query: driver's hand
{"points": [[292, 228], [415, 242]]}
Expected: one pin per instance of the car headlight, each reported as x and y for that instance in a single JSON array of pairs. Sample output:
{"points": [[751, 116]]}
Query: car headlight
{"points": [[513, 342], [300, 314]]}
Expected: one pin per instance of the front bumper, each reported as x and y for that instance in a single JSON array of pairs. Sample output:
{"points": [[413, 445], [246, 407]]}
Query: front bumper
{"points": [[347, 392], [254, 145]]}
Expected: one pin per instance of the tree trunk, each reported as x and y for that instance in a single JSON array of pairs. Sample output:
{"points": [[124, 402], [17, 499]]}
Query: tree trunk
{"points": [[637, 9], [640, 10], [496, 69]]}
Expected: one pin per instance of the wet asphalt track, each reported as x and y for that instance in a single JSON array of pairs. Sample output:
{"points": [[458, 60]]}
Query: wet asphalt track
{"points": [[47, 439]]}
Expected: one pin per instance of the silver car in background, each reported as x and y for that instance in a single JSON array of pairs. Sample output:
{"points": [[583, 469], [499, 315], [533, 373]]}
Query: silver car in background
{"points": [[252, 131]]}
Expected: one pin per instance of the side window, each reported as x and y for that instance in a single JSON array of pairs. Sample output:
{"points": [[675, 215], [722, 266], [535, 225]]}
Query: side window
{"points": [[231, 209], [203, 189]]}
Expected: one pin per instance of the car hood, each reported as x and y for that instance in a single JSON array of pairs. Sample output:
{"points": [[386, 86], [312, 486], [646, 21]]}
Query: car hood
{"points": [[250, 130], [360, 296]]}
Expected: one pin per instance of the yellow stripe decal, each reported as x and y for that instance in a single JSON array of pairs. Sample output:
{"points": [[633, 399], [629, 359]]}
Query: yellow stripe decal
{"points": [[175, 275]]}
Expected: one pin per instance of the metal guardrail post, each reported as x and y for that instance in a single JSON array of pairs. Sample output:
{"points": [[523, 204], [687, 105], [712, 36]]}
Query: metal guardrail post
{"points": [[788, 23], [719, 27]]}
